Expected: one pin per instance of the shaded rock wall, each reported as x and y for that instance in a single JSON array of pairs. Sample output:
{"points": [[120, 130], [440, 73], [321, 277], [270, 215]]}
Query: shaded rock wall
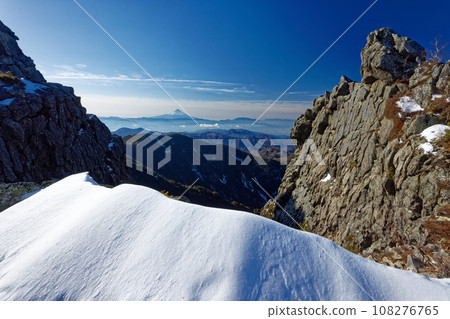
{"points": [[44, 131]]}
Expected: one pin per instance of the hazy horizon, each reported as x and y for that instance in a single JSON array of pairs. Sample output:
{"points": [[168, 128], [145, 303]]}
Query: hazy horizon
{"points": [[232, 60]]}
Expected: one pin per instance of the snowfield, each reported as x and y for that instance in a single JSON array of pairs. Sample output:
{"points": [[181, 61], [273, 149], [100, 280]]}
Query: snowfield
{"points": [[76, 240]]}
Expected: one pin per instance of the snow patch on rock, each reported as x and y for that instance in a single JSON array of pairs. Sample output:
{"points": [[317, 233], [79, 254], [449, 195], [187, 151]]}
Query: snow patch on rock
{"points": [[408, 105], [6, 102], [31, 87], [435, 132], [427, 148], [432, 133], [326, 178], [436, 96]]}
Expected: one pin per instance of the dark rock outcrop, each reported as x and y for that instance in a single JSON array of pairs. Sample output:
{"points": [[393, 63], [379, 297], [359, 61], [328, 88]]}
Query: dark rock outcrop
{"points": [[12, 58], [44, 131], [378, 193]]}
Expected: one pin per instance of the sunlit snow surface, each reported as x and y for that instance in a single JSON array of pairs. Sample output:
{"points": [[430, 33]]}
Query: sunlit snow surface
{"points": [[435, 132], [432, 133], [76, 240], [326, 178]]}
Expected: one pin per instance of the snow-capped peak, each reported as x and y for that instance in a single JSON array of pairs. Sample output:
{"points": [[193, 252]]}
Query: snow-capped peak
{"points": [[177, 112]]}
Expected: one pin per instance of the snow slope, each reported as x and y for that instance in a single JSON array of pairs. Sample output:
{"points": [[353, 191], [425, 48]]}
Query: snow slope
{"points": [[76, 240]]}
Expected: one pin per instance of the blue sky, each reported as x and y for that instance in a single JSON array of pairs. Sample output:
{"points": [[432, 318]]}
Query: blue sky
{"points": [[219, 59]]}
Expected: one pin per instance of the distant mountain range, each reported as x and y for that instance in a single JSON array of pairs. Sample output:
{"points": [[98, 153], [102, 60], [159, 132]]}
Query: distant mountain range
{"points": [[207, 133], [232, 185], [178, 121], [266, 150]]}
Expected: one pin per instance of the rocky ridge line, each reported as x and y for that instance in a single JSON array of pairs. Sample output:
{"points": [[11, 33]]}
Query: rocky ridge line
{"points": [[378, 194]]}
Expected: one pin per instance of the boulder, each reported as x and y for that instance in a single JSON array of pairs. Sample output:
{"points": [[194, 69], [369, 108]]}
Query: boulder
{"points": [[388, 56]]}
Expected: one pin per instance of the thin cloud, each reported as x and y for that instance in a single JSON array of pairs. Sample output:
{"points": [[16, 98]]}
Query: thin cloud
{"points": [[209, 125], [196, 81], [75, 72], [66, 67], [304, 93], [123, 77], [91, 76], [218, 90]]}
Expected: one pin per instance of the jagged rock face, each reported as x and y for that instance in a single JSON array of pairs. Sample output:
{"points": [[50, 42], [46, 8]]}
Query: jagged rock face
{"points": [[12, 58], [384, 197], [45, 132], [388, 56]]}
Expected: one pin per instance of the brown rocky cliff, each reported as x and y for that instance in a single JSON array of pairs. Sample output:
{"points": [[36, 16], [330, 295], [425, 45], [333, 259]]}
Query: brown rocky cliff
{"points": [[44, 131], [385, 198]]}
